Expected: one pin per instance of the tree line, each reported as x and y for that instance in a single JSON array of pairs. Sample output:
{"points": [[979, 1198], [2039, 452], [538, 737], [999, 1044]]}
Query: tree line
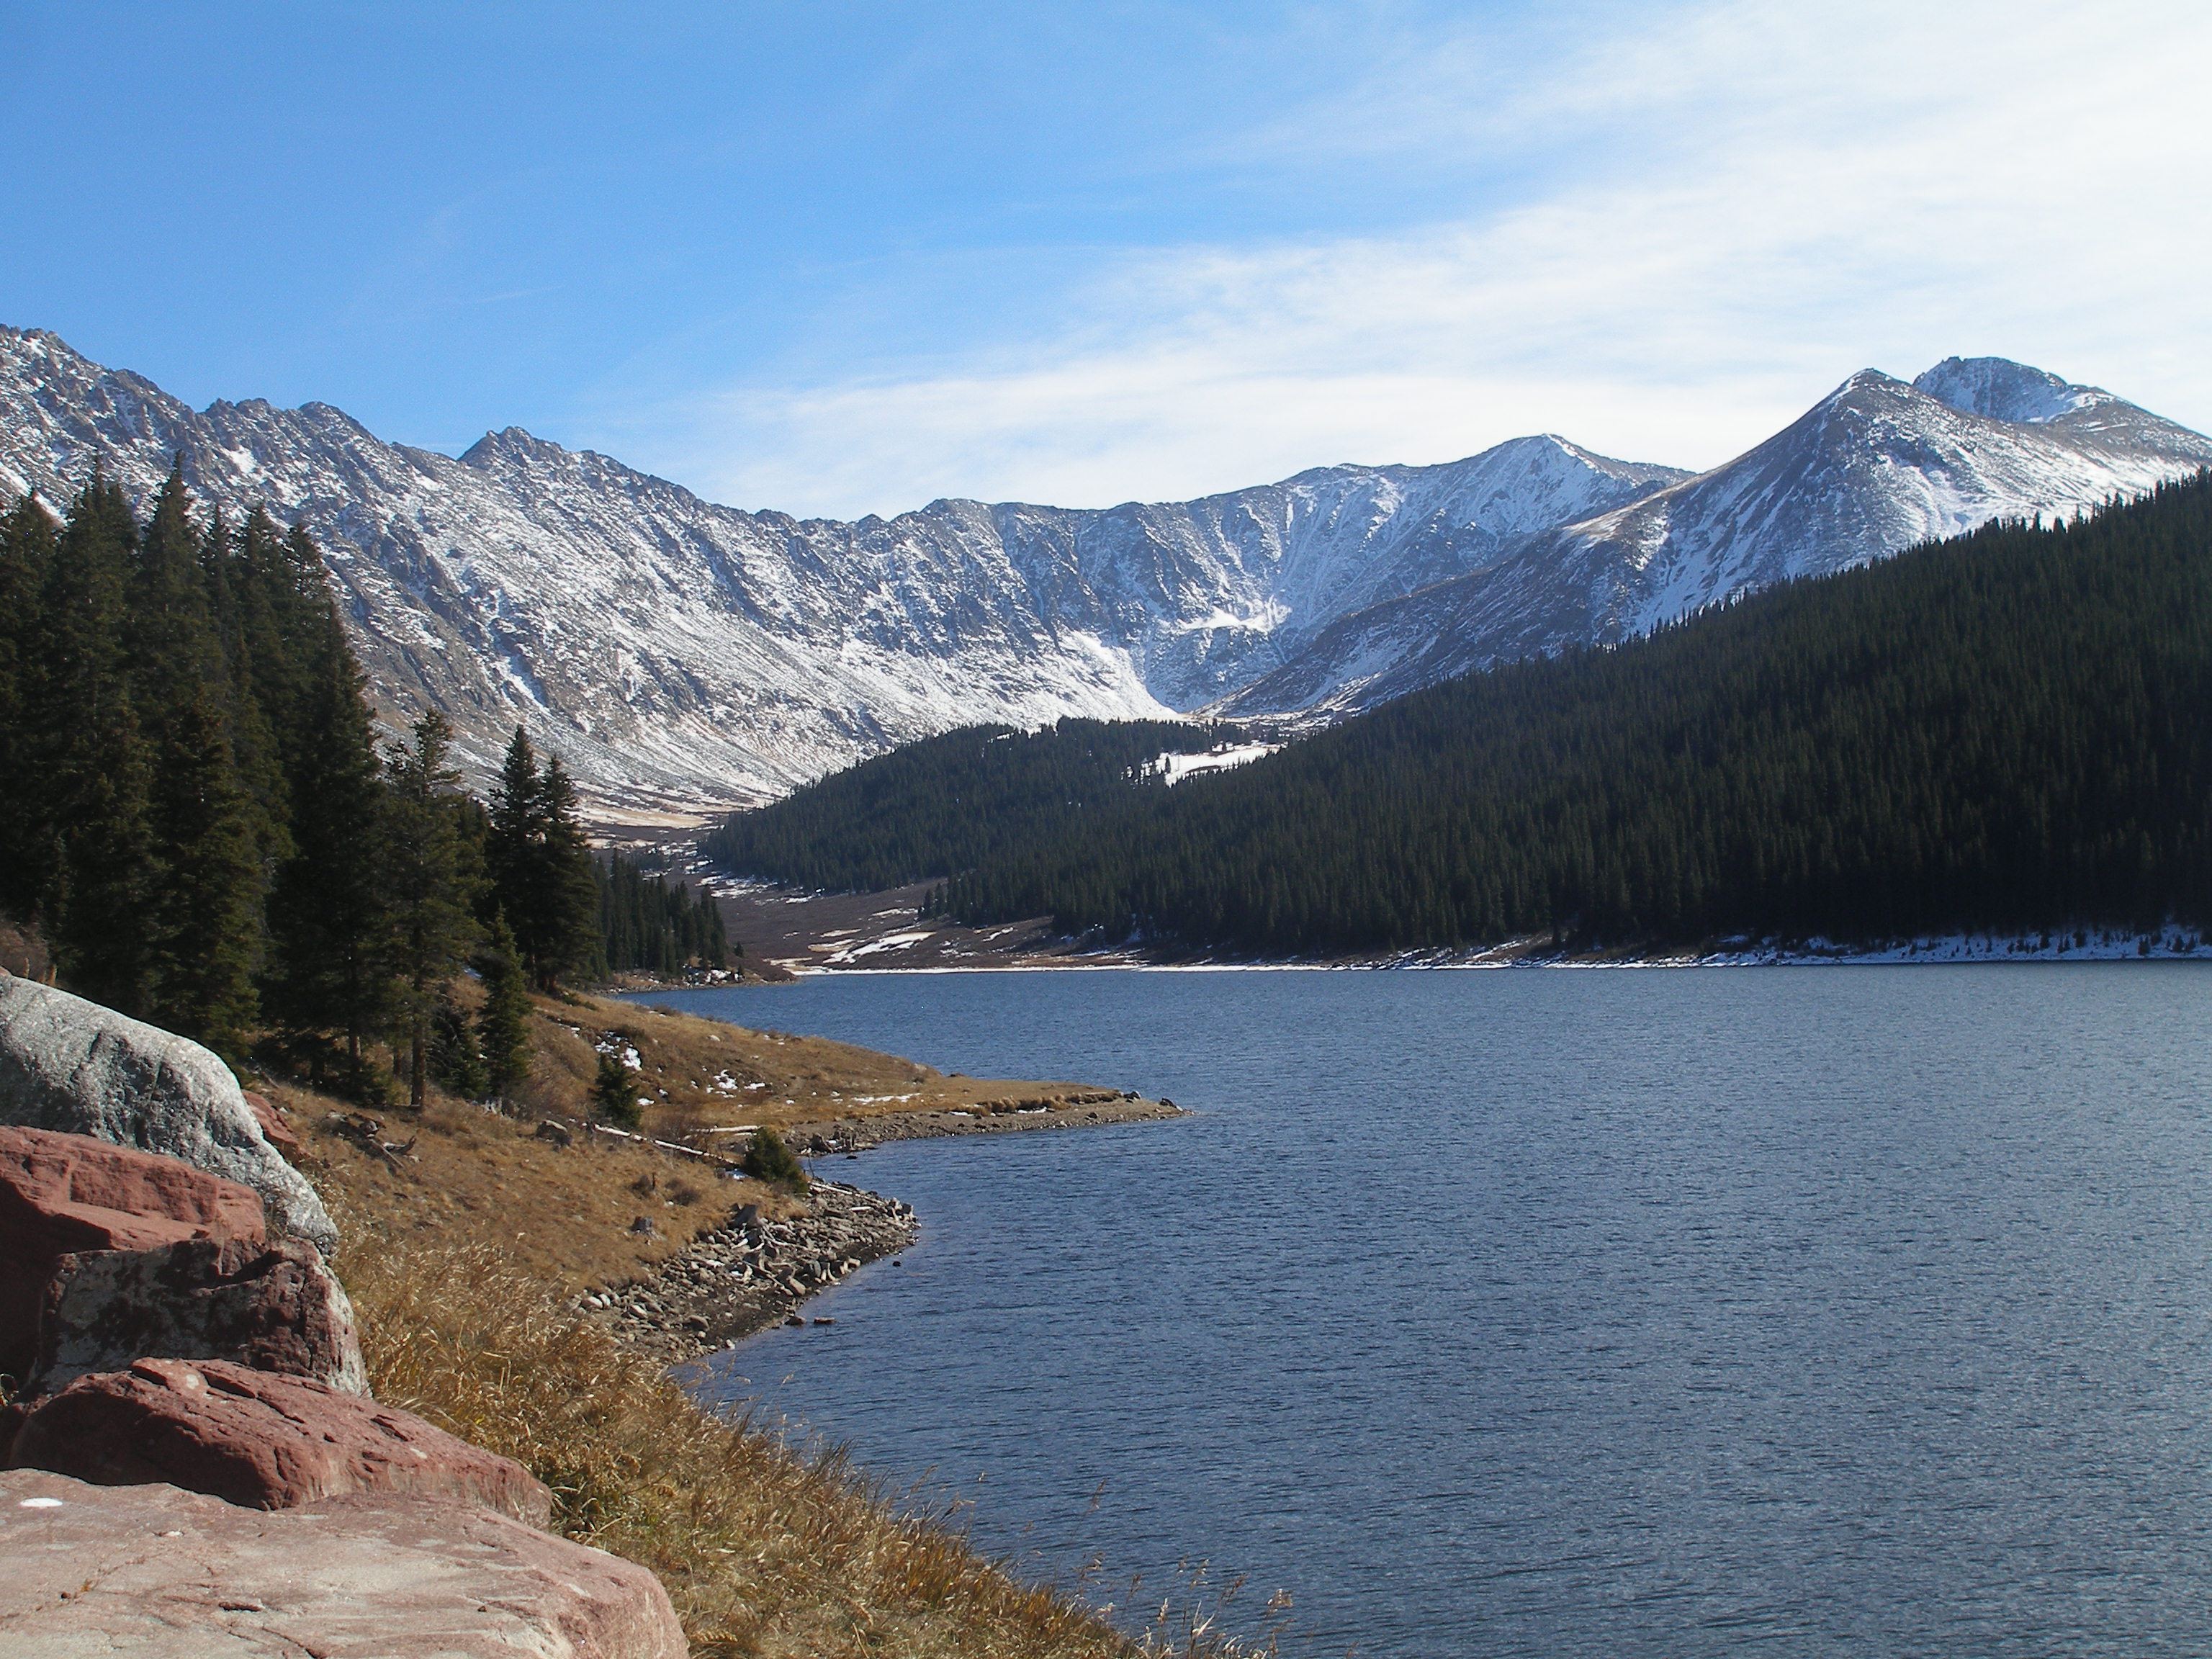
{"points": [[650, 925], [948, 803], [2009, 731], [209, 836]]}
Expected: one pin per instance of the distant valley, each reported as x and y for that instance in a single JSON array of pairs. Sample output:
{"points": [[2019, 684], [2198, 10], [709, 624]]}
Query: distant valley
{"points": [[684, 657]]}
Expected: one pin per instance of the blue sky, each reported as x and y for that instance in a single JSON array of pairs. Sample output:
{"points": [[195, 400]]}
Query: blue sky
{"points": [[843, 257]]}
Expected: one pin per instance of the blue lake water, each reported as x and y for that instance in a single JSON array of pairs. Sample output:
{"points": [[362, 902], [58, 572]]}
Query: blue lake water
{"points": [[1795, 1311]]}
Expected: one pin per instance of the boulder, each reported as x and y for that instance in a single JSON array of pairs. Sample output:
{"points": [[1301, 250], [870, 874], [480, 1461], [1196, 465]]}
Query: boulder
{"points": [[62, 1194], [72, 1065], [265, 1441], [271, 1309], [270, 1116], [90, 1572]]}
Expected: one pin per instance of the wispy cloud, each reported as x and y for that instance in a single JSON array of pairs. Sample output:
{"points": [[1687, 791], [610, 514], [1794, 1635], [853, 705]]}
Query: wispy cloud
{"points": [[1683, 234]]}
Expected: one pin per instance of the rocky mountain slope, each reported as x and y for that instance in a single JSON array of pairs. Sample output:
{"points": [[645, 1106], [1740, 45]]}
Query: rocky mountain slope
{"points": [[1873, 468], [683, 656]]}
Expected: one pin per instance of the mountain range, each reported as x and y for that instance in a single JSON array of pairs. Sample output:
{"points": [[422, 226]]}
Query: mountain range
{"points": [[683, 656]]}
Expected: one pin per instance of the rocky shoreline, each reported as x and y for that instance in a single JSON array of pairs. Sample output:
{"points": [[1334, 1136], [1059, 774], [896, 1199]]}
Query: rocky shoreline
{"points": [[755, 1273], [1083, 1109]]}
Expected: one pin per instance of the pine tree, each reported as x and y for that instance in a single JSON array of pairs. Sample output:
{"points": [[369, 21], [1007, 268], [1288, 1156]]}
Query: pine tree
{"points": [[251, 732], [566, 892], [767, 1158], [26, 831], [101, 875], [456, 1057], [540, 864], [327, 922], [172, 632], [614, 1095], [429, 884], [648, 923], [280, 632], [503, 1026], [207, 913], [512, 833]]}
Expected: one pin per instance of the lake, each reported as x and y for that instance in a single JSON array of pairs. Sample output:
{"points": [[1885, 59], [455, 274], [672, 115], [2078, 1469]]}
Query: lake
{"points": [[1816, 1310]]}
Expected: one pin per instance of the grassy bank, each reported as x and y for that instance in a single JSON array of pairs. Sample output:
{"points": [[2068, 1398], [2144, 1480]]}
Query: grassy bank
{"points": [[463, 1262]]}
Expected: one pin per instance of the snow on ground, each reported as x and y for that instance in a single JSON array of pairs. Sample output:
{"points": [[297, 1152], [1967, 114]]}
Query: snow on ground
{"points": [[1172, 768], [2168, 944]]}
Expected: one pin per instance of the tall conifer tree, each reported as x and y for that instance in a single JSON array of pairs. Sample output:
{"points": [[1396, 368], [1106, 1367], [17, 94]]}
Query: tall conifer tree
{"points": [[326, 916], [503, 1027], [26, 834], [207, 913], [95, 906], [431, 875], [540, 864], [567, 899]]}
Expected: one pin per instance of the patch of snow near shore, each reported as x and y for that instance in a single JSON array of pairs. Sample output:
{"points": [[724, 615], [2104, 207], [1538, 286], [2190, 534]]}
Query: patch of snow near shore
{"points": [[2168, 944]]}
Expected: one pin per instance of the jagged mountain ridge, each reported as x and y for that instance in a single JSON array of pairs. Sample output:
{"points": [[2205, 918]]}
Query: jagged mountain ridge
{"points": [[683, 654], [1873, 468]]}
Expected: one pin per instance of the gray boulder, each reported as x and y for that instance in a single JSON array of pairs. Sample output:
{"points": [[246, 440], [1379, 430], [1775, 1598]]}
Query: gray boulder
{"points": [[77, 1067]]}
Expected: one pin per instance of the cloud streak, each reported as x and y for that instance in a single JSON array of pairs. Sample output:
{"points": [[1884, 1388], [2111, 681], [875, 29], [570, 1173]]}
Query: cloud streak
{"points": [[1680, 236]]}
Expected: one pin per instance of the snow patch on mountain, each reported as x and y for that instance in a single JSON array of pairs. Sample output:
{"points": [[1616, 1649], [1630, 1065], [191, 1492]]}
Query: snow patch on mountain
{"points": [[681, 656]]}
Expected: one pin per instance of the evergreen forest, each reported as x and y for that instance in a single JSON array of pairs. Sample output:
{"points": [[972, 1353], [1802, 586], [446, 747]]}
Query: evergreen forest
{"points": [[207, 834], [2009, 731], [649, 925], [948, 803]]}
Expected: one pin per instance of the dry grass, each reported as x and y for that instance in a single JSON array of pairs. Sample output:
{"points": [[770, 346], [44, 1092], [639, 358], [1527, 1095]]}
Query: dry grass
{"points": [[564, 1216], [462, 1265], [561, 1217], [702, 1073]]}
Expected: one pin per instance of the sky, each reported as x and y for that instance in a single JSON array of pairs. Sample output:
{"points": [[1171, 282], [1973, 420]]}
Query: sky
{"points": [[835, 258]]}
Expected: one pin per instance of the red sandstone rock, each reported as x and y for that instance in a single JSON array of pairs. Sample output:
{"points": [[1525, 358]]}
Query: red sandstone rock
{"points": [[260, 1440], [63, 1194], [89, 1571], [271, 1117], [276, 1308]]}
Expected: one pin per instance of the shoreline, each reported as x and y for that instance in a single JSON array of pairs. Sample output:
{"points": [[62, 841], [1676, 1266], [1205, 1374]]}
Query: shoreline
{"points": [[1949, 950], [751, 1274], [808, 935], [755, 1273]]}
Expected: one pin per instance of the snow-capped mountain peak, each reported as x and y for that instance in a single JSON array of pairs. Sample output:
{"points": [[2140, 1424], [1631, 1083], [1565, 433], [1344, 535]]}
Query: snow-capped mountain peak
{"points": [[2001, 390], [1872, 468], [681, 656]]}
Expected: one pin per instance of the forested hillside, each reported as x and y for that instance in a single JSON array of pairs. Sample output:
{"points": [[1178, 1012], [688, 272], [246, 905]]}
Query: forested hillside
{"points": [[946, 803], [205, 830], [651, 925], [2009, 730]]}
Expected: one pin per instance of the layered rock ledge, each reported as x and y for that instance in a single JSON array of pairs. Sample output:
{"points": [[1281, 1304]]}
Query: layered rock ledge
{"points": [[88, 1572]]}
